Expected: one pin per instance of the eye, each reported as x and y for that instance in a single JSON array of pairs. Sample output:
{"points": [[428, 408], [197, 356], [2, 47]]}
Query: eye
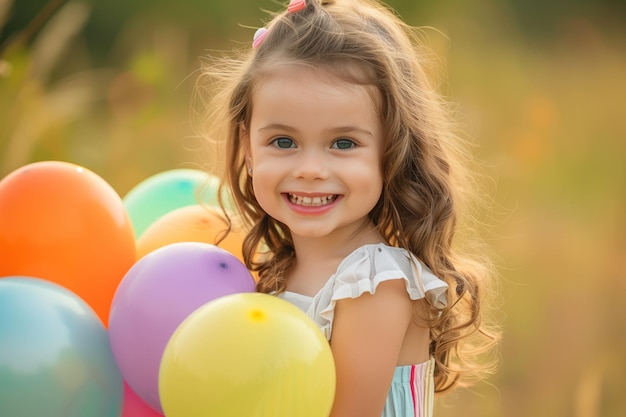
{"points": [[343, 144], [283, 142]]}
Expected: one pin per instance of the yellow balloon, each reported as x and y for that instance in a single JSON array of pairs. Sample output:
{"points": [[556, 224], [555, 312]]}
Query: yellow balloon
{"points": [[247, 354]]}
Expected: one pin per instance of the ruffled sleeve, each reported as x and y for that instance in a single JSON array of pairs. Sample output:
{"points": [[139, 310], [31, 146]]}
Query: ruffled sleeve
{"points": [[364, 269]]}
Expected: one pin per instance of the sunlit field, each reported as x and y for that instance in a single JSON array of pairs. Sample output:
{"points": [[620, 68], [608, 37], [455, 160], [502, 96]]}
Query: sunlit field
{"points": [[546, 110]]}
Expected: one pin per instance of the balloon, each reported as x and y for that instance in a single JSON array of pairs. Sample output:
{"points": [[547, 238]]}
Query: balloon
{"points": [[251, 355], [166, 191], [156, 295], [135, 406], [63, 223], [55, 359], [190, 224]]}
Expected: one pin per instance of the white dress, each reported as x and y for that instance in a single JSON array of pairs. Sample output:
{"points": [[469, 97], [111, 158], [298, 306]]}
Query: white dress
{"points": [[412, 389]]}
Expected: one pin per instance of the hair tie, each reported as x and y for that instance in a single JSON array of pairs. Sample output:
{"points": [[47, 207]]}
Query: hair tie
{"points": [[296, 5], [259, 35]]}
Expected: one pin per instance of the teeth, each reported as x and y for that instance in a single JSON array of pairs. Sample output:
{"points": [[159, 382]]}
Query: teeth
{"points": [[311, 201]]}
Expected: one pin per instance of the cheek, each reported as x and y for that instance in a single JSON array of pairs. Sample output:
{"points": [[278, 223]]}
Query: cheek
{"points": [[369, 170], [375, 181], [264, 184], [368, 182]]}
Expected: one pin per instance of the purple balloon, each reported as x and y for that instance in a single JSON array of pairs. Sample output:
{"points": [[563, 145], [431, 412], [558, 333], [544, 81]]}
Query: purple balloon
{"points": [[156, 295]]}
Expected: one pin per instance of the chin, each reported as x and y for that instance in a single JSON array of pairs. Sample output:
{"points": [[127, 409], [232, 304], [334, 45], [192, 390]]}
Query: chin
{"points": [[313, 232]]}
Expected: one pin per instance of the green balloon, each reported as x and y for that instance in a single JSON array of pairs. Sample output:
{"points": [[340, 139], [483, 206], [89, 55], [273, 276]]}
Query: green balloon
{"points": [[167, 191], [55, 357]]}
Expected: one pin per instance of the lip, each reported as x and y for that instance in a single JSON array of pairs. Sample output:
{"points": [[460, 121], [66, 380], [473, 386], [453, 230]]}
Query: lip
{"points": [[311, 210]]}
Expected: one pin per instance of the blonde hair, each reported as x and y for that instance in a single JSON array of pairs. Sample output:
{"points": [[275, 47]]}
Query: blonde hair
{"points": [[427, 182]]}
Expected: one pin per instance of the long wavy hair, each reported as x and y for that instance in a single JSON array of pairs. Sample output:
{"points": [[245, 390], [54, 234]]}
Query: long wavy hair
{"points": [[429, 181]]}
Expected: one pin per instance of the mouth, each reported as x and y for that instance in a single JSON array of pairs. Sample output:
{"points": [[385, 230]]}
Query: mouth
{"points": [[316, 201]]}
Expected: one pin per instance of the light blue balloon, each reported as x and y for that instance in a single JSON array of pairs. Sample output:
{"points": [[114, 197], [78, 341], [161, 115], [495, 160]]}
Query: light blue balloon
{"points": [[55, 357], [167, 191]]}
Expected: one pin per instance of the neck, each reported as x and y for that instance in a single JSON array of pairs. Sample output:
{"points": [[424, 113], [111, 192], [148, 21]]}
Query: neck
{"points": [[318, 258], [335, 246]]}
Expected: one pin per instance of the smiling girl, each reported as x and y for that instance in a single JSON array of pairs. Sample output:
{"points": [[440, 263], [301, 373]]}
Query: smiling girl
{"points": [[343, 164]]}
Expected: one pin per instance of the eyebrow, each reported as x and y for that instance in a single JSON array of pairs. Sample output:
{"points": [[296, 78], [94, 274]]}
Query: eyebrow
{"points": [[335, 130]]}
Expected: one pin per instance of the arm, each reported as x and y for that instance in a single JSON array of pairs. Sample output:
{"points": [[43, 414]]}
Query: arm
{"points": [[367, 336]]}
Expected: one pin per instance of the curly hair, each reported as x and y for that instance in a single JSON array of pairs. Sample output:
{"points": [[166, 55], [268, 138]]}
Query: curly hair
{"points": [[429, 183]]}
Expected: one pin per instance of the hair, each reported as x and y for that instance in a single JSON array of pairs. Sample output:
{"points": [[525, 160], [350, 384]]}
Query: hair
{"points": [[428, 183]]}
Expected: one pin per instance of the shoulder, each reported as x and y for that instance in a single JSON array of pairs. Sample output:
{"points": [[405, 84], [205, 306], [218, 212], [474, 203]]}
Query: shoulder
{"points": [[387, 256], [368, 266], [363, 271]]}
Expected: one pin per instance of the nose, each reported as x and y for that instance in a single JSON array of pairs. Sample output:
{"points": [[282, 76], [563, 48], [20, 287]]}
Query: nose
{"points": [[311, 165]]}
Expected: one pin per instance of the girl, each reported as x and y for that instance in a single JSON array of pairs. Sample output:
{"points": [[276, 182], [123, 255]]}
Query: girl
{"points": [[341, 160]]}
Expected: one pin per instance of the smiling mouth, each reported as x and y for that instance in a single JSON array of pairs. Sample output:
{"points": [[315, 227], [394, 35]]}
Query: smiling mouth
{"points": [[311, 201]]}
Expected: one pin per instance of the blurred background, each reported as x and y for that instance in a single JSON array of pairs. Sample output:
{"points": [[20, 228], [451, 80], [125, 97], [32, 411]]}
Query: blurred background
{"points": [[541, 86]]}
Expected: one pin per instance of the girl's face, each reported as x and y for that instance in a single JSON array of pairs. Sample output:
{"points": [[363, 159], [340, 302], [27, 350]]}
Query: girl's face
{"points": [[314, 146]]}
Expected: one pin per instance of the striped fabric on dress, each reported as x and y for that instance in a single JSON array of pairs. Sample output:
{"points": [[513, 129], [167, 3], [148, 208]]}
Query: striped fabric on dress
{"points": [[412, 391]]}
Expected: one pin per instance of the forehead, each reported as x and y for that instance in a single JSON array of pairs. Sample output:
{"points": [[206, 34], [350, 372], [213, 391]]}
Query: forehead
{"points": [[348, 78], [310, 103], [349, 69]]}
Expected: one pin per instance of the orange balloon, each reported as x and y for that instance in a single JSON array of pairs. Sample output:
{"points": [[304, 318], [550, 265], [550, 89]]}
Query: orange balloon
{"points": [[63, 223], [193, 223]]}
